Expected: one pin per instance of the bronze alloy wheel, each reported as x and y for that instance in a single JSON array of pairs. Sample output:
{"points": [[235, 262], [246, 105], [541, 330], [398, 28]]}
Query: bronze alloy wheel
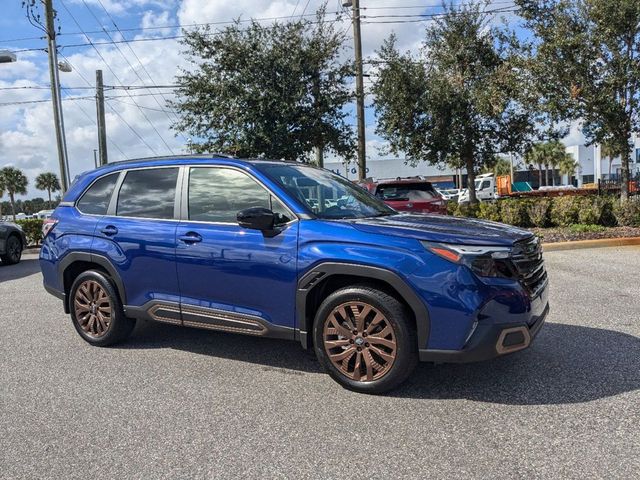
{"points": [[359, 341], [92, 308]]}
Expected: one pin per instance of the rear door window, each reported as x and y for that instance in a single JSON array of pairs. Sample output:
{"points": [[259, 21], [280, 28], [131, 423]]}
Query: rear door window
{"points": [[95, 201], [148, 193]]}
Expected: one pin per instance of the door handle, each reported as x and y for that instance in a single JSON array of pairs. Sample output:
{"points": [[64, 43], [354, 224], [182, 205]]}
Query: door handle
{"points": [[109, 230], [190, 237]]}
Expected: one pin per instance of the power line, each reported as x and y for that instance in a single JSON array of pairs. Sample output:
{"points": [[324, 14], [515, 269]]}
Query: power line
{"points": [[92, 120], [164, 27], [117, 79], [155, 39], [127, 60], [114, 110]]}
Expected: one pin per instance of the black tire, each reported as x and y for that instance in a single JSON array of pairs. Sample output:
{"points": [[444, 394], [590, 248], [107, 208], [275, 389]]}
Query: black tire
{"points": [[13, 250], [328, 339], [118, 326]]}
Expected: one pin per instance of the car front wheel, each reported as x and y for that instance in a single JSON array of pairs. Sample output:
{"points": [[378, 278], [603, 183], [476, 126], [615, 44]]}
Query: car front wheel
{"points": [[365, 340]]}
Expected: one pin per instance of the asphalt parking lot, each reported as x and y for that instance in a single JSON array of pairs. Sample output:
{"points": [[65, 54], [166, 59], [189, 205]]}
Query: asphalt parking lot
{"points": [[178, 403]]}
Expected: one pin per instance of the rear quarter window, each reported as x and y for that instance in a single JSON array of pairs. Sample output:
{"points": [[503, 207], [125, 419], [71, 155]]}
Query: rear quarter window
{"points": [[95, 200]]}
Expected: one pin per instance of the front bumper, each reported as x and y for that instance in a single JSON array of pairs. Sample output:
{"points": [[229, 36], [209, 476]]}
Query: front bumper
{"points": [[493, 339]]}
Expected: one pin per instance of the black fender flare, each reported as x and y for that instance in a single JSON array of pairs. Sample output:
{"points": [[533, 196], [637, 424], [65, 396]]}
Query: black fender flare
{"points": [[100, 260], [321, 271]]}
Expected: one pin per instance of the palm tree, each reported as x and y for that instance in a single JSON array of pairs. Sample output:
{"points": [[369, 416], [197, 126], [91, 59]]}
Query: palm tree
{"points": [[568, 165], [609, 152], [556, 153], [13, 181], [48, 181], [536, 156]]}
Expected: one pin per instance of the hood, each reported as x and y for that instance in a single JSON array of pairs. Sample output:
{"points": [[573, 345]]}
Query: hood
{"points": [[443, 228]]}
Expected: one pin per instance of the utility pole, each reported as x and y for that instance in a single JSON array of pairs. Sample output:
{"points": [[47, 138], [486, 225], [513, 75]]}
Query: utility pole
{"points": [[102, 129], [95, 157], [362, 159], [55, 95]]}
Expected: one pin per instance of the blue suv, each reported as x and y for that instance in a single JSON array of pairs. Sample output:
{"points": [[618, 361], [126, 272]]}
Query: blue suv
{"points": [[287, 250]]}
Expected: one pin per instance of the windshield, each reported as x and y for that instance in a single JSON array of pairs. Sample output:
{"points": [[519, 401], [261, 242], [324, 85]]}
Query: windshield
{"points": [[406, 191], [326, 194]]}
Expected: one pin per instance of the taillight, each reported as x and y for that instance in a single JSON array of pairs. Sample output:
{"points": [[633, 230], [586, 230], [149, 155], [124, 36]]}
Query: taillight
{"points": [[47, 226]]}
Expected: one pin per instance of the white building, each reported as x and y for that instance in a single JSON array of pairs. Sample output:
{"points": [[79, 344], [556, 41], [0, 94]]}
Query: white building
{"points": [[592, 166]]}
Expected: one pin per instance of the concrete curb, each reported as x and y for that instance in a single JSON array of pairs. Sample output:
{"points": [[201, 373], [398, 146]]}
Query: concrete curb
{"points": [[598, 243]]}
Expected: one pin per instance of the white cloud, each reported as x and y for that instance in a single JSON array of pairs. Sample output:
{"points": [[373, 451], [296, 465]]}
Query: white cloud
{"points": [[27, 136]]}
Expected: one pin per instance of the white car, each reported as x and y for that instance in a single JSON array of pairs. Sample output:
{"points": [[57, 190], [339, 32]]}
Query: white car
{"points": [[449, 193]]}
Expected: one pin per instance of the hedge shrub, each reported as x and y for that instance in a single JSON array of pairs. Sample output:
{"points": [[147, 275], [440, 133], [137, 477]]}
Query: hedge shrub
{"points": [[467, 210], [565, 211], [514, 212], [539, 211], [32, 228], [628, 214], [490, 211]]}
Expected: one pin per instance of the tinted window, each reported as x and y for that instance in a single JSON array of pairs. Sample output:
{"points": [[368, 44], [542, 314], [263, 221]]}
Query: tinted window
{"points": [[218, 194], [406, 191], [148, 193], [323, 192], [95, 200]]}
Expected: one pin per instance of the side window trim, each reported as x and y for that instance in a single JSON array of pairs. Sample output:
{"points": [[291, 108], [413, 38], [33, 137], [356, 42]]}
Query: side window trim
{"points": [[111, 210], [184, 194]]}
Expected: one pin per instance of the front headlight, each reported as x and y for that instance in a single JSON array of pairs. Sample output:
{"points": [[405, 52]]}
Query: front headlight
{"points": [[484, 261]]}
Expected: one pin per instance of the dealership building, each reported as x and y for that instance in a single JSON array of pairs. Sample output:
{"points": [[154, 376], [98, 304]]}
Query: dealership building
{"points": [[592, 167]]}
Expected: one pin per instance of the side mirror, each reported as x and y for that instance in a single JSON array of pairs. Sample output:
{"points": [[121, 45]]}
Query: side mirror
{"points": [[256, 218]]}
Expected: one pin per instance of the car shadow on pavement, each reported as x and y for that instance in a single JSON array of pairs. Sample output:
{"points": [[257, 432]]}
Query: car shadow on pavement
{"points": [[25, 268], [566, 364]]}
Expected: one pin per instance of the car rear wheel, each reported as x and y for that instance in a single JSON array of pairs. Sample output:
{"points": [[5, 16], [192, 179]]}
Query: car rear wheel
{"points": [[364, 339], [13, 251], [96, 310]]}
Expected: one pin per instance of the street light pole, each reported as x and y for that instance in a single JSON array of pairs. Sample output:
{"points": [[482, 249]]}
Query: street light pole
{"points": [[55, 95]]}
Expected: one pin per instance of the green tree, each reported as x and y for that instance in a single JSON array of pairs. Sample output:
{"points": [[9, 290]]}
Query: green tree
{"points": [[502, 166], [587, 60], [537, 156], [48, 181], [14, 182], [273, 91], [459, 103], [567, 165]]}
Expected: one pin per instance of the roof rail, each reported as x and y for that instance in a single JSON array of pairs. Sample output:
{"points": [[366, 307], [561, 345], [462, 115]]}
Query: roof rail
{"points": [[181, 156]]}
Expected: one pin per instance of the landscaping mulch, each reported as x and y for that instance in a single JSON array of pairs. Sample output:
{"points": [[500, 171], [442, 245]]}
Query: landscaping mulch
{"points": [[553, 235]]}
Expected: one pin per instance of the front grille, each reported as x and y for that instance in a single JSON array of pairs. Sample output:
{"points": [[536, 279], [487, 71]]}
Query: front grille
{"points": [[527, 258]]}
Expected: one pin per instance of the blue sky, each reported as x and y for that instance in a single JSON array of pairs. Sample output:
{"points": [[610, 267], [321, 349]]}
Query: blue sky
{"points": [[26, 130]]}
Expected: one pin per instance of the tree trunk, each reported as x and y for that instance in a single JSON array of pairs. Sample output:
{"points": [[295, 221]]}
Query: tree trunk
{"points": [[319, 153], [546, 174], [13, 206], [624, 186], [553, 176], [49, 191], [539, 175], [471, 180]]}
